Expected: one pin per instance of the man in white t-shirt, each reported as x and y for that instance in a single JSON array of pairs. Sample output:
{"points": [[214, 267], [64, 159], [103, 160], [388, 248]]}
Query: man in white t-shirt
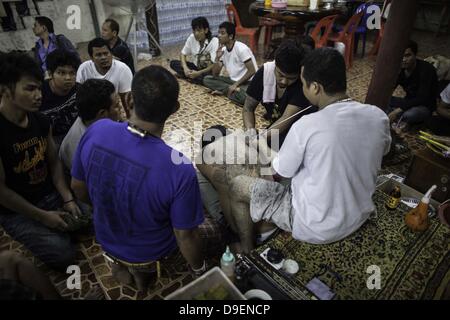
{"points": [[201, 48], [103, 66], [239, 62], [332, 157], [440, 123]]}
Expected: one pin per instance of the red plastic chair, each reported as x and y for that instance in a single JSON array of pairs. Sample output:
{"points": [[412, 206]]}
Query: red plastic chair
{"points": [[320, 39], [268, 24], [377, 43], [251, 33], [347, 37]]}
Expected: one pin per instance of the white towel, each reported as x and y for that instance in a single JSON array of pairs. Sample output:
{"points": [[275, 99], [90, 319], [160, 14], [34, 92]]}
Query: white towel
{"points": [[270, 82]]}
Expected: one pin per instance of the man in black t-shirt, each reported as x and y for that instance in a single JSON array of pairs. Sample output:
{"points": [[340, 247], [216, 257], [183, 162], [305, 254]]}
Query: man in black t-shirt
{"points": [[419, 80], [119, 48], [32, 183], [59, 93], [277, 87]]}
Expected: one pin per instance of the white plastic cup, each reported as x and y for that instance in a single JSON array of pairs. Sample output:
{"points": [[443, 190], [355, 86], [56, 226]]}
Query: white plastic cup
{"points": [[290, 266]]}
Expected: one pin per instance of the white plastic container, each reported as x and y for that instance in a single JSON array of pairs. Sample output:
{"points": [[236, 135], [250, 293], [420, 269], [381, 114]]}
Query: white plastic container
{"points": [[228, 263], [212, 278]]}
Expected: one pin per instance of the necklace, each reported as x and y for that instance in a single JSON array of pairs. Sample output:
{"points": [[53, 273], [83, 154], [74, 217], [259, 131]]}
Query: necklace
{"points": [[338, 101], [342, 100], [138, 131]]}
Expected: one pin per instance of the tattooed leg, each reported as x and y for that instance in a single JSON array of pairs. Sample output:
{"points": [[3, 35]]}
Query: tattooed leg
{"points": [[216, 174], [240, 190]]}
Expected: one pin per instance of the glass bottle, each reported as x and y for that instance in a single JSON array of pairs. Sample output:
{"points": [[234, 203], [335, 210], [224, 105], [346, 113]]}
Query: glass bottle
{"points": [[394, 198]]}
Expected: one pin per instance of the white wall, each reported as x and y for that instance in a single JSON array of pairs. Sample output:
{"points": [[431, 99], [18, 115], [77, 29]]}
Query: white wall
{"points": [[120, 10], [174, 18], [24, 39]]}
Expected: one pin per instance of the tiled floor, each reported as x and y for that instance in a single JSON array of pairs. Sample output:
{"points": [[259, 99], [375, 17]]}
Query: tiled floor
{"points": [[197, 106]]}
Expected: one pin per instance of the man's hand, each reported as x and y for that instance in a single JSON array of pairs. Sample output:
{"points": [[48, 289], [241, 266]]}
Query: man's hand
{"points": [[219, 53], [232, 89], [55, 220], [193, 74], [73, 208], [187, 72]]}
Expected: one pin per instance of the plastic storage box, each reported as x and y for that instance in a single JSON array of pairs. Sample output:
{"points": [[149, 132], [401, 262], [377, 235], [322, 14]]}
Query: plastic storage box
{"points": [[213, 285], [386, 185]]}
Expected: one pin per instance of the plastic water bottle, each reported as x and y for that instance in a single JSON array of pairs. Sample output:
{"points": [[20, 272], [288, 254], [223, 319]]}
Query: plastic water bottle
{"points": [[227, 263]]}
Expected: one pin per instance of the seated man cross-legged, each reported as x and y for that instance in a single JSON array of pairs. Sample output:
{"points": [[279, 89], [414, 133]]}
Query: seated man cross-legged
{"points": [[331, 156], [419, 80], [33, 188], [202, 47], [237, 59]]}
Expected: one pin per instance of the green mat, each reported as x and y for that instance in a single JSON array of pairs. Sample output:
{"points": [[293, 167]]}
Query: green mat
{"points": [[412, 265]]}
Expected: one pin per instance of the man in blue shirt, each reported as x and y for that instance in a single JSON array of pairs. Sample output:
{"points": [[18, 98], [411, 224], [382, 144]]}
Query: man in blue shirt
{"points": [[49, 42], [146, 204]]}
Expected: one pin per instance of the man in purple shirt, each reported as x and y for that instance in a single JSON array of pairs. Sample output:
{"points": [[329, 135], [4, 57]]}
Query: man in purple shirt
{"points": [[146, 205], [49, 42]]}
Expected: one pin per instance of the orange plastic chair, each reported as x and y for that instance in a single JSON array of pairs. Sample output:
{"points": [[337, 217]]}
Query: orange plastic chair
{"points": [[251, 33], [320, 39], [347, 37]]}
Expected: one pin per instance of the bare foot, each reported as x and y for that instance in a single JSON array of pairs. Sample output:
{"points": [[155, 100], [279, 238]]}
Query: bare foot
{"points": [[95, 293]]}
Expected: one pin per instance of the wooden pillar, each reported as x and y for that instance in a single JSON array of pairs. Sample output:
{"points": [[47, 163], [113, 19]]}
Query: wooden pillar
{"points": [[396, 37]]}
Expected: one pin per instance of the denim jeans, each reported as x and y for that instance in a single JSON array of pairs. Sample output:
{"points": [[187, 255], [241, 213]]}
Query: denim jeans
{"points": [[52, 247], [414, 115]]}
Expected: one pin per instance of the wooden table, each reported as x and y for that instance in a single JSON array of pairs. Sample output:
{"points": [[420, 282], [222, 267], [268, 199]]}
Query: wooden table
{"points": [[294, 17]]}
